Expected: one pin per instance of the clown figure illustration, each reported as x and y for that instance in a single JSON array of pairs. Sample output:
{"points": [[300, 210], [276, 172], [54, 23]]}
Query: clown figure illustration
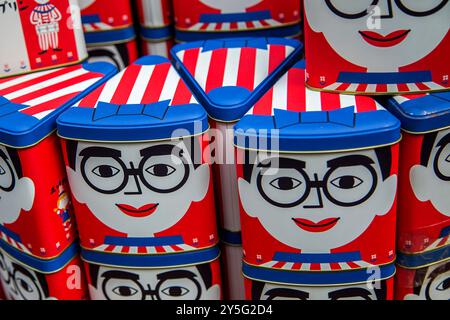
{"points": [[318, 202], [432, 283], [45, 17]]}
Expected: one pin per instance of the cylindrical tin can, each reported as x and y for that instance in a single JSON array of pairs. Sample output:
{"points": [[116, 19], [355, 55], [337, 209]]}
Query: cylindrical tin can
{"points": [[192, 282], [39, 35], [377, 47], [98, 15], [424, 206], [424, 283], [369, 291], [213, 19], [60, 278], [120, 54], [159, 48], [155, 14], [317, 177], [134, 152], [233, 281]]}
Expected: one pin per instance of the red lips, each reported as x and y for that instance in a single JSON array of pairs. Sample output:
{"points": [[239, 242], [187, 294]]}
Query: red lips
{"points": [[390, 40], [320, 226], [141, 212]]}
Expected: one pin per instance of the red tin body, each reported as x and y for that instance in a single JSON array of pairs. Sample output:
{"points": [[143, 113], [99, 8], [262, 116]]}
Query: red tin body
{"points": [[196, 282], [67, 283], [101, 15], [424, 283], [41, 35], [423, 219], [120, 54], [155, 13], [379, 290], [383, 49], [160, 48], [2, 294], [233, 280]]}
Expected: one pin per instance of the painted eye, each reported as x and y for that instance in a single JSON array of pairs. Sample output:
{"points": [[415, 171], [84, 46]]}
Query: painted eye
{"points": [[125, 291], [160, 170], [2, 171], [347, 182], [25, 286], [105, 171], [175, 291], [444, 285], [285, 183], [446, 159]]}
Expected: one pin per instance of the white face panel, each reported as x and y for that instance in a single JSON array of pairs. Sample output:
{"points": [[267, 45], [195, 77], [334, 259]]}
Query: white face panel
{"points": [[184, 283], [435, 284], [16, 194], [230, 6], [138, 189], [317, 202], [397, 39], [353, 292], [432, 182]]}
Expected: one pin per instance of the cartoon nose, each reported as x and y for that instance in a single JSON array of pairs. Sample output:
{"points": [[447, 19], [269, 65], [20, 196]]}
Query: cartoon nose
{"points": [[134, 186], [383, 10], [314, 199]]}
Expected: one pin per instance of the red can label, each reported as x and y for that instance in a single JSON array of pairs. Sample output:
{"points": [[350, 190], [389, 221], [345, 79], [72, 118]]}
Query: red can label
{"points": [[234, 15], [424, 203], [318, 212], [40, 34], [155, 13], [100, 15], [196, 282], [427, 283], [120, 54], [377, 49]]}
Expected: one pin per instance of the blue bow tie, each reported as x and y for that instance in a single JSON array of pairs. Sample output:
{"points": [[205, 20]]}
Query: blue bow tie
{"points": [[344, 116], [155, 110], [7, 107]]}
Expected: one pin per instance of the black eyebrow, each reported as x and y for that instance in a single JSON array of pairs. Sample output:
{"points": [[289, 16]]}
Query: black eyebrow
{"points": [[176, 274], [101, 152], [116, 274], [444, 141], [161, 150], [285, 163], [350, 292], [3, 154], [349, 161], [287, 293]]}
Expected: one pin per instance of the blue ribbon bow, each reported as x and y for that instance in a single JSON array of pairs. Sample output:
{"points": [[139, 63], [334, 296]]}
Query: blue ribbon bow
{"points": [[155, 110]]}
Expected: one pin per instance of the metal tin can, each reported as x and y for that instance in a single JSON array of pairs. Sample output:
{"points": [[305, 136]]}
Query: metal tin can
{"points": [[134, 157], [39, 35], [191, 282], [424, 283], [160, 48], [378, 290], [232, 272], [317, 177], [377, 47], [212, 19], [120, 54], [99, 15], [424, 207], [155, 18]]}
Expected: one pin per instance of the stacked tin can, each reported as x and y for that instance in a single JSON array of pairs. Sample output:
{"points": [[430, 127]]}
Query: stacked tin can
{"points": [[38, 249], [228, 76], [213, 19], [156, 25], [109, 31], [142, 190]]}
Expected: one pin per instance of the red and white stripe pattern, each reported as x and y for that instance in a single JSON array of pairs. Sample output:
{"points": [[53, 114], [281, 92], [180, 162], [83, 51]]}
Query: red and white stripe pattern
{"points": [[43, 92], [334, 266], [235, 26], [142, 84], [245, 67], [155, 13], [400, 99], [96, 26], [438, 243], [290, 93], [371, 88], [13, 243], [108, 248]]}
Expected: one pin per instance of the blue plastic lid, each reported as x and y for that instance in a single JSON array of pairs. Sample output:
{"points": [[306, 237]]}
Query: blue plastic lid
{"points": [[30, 104], [293, 118], [228, 76], [146, 101], [421, 113]]}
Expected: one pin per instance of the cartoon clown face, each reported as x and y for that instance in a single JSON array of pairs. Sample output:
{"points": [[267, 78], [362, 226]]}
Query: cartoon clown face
{"points": [[376, 34], [318, 202], [432, 283], [187, 283], [16, 192], [430, 180], [269, 291], [138, 189], [230, 6], [21, 283]]}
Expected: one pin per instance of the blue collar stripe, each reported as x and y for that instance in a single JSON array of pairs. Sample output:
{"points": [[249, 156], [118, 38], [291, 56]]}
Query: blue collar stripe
{"points": [[317, 257], [423, 259], [231, 237], [445, 232], [9, 233], [144, 242], [90, 18], [385, 77], [235, 17]]}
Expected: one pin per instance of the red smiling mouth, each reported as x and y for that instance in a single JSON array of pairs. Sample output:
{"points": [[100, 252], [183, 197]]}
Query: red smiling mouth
{"points": [[141, 212], [390, 40], [320, 226]]}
